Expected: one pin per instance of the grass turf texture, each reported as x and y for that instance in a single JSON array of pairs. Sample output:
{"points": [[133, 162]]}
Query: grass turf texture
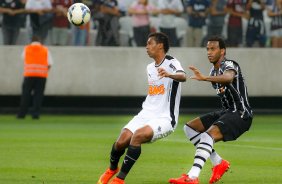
{"points": [[75, 150]]}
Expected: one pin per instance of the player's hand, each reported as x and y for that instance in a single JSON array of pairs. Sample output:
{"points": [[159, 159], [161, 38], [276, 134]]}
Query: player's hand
{"points": [[162, 73], [197, 74]]}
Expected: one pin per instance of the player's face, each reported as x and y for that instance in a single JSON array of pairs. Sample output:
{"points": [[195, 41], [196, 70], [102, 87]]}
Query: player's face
{"points": [[152, 47], [214, 52]]}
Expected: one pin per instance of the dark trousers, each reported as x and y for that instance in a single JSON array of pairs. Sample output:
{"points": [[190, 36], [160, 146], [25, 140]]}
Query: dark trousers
{"points": [[32, 91], [234, 36], [171, 33], [141, 35], [40, 27], [10, 35], [107, 31], [256, 32]]}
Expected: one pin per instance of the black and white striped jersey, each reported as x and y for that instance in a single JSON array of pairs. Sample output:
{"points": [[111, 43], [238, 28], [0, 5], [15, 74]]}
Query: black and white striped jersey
{"points": [[234, 96]]}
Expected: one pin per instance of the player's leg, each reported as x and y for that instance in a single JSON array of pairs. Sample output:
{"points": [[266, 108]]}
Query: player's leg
{"points": [[195, 132], [204, 150], [119, 147], [220, 166], [117, 151], [153, 129], [195, 127], [231, 126], [139, 137]]}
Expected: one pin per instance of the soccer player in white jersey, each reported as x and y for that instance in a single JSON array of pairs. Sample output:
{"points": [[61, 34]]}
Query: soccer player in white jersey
{"points": [[227, 124], [159, 115]]}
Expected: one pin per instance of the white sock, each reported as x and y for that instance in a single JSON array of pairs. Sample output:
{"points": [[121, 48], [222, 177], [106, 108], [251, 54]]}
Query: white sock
{"points": [[203, 152], [215, 158], [194, 136]]}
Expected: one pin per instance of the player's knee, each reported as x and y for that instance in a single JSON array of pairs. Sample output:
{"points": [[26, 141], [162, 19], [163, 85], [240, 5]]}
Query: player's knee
{"points": [[215, 133], [189, 131], [140, 137], [120, 145]]}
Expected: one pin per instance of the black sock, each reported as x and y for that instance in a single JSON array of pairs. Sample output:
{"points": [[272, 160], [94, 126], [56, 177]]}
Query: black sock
{"points": [[130, 158], [115, 156]]}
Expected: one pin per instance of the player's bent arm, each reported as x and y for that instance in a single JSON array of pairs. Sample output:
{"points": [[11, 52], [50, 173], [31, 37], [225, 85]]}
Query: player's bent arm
{"points": [[226, 78], [178, 76]]}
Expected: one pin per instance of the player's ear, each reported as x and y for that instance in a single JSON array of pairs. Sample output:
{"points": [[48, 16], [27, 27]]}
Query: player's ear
{"points": [[161, 46], [222, 51]]}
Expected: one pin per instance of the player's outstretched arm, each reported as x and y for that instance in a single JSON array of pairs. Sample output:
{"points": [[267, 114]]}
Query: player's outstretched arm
{"points": [[226, 78], [178, 76], [197, 74]]}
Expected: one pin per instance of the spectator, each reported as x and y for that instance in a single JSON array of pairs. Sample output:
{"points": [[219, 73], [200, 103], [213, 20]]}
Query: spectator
{"points": [[140, 11], [60, 29], [237, 11], [275, 13], [80, 34], [256, 27], [11, 22], [108, 19], [123, 6], [216, 18], [197, 12], [168, 10], [41, 17], [37, 62]]}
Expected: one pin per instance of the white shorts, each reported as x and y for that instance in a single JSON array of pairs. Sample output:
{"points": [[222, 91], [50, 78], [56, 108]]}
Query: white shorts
{"points": [[161, 126]]}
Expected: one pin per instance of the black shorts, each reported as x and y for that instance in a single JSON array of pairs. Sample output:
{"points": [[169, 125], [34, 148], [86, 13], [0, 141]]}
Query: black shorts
{"points": [[230, 123]]}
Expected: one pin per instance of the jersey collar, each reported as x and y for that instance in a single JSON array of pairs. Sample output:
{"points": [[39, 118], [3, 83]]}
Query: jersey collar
{"points": [[161, 62]]}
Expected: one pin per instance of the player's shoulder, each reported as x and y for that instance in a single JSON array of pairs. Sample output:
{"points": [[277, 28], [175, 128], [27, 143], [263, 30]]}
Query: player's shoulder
{"points": [[170, 59], [226, 60], [229, 63], [172, 63], [151, 65]]}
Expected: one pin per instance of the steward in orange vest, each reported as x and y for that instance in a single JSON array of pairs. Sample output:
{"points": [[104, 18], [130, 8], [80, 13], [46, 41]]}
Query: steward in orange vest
{"points": [[37, 61]]}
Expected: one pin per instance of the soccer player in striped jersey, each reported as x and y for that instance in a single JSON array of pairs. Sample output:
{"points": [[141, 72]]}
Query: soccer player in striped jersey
{"points": [[228, 124], [159, 115]]}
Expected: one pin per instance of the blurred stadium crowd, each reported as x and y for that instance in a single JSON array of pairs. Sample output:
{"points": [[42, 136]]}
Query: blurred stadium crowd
{"points": [[243, 23]]}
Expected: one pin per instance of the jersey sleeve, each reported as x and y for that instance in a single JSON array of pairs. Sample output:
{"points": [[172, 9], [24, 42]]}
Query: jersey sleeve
{"points": [[176, 66], [230, 65]]}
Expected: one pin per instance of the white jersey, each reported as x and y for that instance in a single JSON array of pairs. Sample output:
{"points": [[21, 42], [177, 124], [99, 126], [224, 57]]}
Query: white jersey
{"points": [[163, 97]]}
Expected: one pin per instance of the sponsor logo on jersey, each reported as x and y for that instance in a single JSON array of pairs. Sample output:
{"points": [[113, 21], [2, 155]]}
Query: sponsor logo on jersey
{"points": [[156, 90], [172, 67], [229, 64]]}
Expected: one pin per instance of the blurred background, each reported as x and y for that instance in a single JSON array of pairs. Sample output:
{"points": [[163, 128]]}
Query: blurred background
{"points": [[101, 67]]}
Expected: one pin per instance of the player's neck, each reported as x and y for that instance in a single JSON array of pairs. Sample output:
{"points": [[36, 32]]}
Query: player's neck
{"points": [[159, 58], [218, 63]]}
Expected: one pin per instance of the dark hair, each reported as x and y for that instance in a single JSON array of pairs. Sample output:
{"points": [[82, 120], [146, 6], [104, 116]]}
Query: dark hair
{"points": [[220, 41], [35, 38], [161, 38]]}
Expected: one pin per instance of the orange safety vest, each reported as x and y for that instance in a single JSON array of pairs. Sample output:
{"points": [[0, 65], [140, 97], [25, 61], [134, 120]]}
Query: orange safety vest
{"points": [[36, 61]]}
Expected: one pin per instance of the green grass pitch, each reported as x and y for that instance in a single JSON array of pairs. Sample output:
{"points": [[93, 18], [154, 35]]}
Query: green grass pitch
{"points": [[75, 150]]}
